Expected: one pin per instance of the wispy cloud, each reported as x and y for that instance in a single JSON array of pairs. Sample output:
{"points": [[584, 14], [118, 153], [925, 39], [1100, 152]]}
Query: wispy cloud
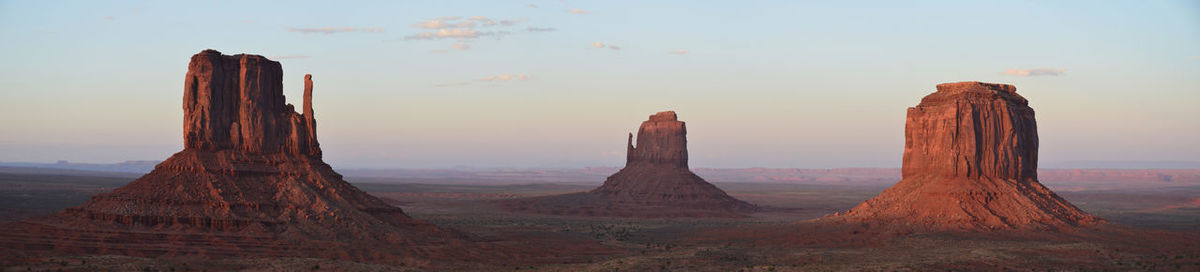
{"points": [[504, 77], [439, 24], [450, 33], [290, 57], [485, 21], [461, 46], [458, 27], [490, 79], [577, 11], [679, 52], [1034, 72], [333, 30], [540, 29], [531, 5], [110, 18], [452, 84], [602, 45], [1194, 57]]}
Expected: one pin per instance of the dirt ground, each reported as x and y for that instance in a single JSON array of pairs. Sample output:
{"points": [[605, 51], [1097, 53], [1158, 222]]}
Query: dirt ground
{"points": [[1153, 229]]}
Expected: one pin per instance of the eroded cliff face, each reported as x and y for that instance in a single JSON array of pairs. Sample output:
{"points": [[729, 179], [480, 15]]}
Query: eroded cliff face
{"points": [[660, 140], [973, 130], [237, 102], [970, 163], [655, 182]]}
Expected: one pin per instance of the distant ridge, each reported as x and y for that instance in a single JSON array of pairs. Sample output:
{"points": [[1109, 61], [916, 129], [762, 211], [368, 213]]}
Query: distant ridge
{"points": [[138, 167]]}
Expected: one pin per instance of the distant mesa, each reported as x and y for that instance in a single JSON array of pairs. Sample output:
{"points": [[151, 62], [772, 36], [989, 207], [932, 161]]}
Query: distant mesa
{"points": [[249, 182], [655, 182], [970, 163]]}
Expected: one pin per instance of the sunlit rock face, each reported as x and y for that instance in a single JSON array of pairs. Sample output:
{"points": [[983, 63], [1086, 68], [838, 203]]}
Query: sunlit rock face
{"points": [[970, 163], [655, 182], [236, 102]]}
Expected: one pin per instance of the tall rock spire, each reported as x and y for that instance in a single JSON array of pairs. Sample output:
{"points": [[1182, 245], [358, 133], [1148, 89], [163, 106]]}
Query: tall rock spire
{"points": [[310, 120]]}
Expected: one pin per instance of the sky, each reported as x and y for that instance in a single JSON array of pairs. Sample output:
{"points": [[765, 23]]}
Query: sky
{"points": [[555, 84]]}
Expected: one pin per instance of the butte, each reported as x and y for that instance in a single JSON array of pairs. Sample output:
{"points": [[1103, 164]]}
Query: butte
{"points": [[250, 181], [655, 183], [970, 164]]}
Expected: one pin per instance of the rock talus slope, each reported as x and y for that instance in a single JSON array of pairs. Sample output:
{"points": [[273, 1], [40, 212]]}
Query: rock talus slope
{"points": [[970, 163]]}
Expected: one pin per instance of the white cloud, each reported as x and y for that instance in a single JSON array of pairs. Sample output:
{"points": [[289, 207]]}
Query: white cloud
{"points": [[461, 46], [577, 11], [679, 52], [504, 77], [531, 5], [1034, 72], [598, 45], [332, 30]]}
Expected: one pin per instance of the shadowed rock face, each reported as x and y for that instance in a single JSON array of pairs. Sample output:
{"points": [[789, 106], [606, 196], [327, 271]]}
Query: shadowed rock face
{"points": [[655, 182], [970, 163], [249, 182]]}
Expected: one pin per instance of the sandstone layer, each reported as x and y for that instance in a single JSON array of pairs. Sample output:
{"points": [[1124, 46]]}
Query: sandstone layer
{"points": [[655, 182], [970, 163], [249, 182]]}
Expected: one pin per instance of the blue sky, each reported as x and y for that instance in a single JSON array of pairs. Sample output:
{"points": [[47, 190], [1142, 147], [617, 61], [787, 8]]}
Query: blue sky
{"points": [[807, 84]]}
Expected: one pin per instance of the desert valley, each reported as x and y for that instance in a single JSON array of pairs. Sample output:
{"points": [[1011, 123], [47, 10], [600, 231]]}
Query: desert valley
{"points": [[250, 192], [576, 135]]}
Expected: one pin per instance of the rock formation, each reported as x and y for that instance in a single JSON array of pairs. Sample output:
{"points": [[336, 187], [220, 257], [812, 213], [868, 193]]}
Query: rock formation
{"points": [[249, 182], [655, 182], [237, 103], [970, 163]]}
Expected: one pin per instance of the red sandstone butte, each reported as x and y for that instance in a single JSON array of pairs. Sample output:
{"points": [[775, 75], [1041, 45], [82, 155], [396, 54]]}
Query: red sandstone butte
{"points": [[655, 182], [249, 182], [970, 163]]}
